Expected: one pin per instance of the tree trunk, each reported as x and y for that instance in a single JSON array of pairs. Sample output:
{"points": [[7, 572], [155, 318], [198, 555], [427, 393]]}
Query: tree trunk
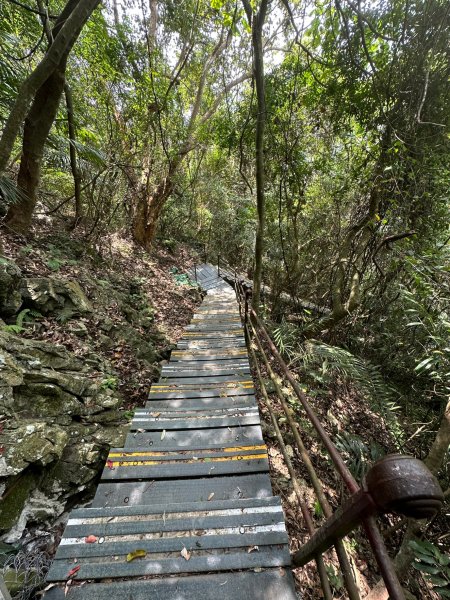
{"points": [[36, 130], [37, 127], [62, 45], [258, 74], [73, 156], [149, 208]]}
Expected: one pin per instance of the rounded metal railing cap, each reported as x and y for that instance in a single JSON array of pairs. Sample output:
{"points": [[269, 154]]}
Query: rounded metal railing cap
{"points": [[404, 485]]}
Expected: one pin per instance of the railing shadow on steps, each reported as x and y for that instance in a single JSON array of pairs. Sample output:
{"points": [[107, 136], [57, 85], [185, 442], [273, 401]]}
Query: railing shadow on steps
{"points": [[395, 484]]}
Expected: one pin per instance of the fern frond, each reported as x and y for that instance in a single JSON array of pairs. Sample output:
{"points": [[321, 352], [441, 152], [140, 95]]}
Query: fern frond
{"points": [[363, 374], [21, 316], [285, 337]]}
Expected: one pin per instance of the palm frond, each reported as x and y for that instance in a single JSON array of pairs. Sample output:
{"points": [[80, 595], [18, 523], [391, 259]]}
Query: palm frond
{"points": [[10, 193]]}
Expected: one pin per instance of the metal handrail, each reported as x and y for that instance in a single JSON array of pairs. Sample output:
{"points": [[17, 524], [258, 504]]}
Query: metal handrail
{"points": [[396, 483]]}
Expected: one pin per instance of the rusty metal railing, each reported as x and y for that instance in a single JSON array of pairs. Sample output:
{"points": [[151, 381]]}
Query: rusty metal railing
{"points": [[396, 484]]}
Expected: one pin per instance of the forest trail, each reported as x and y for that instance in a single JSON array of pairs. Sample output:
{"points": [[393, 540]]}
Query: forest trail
{"points": [[188, 501]]}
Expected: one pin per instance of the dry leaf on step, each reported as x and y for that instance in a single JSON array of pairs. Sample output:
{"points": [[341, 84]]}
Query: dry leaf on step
{"points": [[90, 539], [136, 554]]}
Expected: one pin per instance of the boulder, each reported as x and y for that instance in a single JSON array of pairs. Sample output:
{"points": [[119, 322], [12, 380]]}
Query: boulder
{"points": [[52, 295], [10, 282]]}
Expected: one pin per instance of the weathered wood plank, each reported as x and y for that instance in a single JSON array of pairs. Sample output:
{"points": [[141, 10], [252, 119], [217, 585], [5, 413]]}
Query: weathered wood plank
{"points": [[271, 584], [187, 490], [212, 437]]}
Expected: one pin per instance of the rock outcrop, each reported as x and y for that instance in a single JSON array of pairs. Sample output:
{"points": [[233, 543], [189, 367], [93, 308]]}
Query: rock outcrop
{"points": [[57, 421], [52, 295], [10, 280]]}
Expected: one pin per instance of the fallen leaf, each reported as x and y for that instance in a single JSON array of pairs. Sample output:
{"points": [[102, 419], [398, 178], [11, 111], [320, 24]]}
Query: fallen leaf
{"points": [[136, 554], [211, 496], [282, 571], [109, 464], [90, 539], [163, 434], [253, 549], [73, 572], [155, 414], [185, 554]]}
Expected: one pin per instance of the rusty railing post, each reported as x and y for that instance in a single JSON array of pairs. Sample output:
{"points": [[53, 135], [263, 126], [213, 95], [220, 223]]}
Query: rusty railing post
{"points": [[246, 292], [396, 483]]}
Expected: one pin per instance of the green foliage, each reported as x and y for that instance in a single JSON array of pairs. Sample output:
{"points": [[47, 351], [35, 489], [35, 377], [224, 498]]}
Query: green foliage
{"points": [[364, 375], [358, 455], [182, 278], [334, 577], [25, 315], [109, 383], [59, 258], [318, 512], [9, 193], [434, 566], [54, 264], [286, 337], [64, 315]]}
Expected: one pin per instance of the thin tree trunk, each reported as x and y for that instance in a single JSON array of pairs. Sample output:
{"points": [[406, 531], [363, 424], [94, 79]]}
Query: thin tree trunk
{"points": [[73, 155], [258, 73], [153, 24], [61, 46]]}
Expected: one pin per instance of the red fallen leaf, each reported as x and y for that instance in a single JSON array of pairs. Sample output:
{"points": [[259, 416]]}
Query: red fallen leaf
{"points": [[73, 572], [109, 464], [90, 539]]}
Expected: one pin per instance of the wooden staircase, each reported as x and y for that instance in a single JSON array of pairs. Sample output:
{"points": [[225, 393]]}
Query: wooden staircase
{"points": [[185, 510]]}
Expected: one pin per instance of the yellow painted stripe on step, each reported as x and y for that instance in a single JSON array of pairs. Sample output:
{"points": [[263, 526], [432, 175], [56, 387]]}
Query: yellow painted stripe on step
{"points": [[145, 463], [262, 448]]}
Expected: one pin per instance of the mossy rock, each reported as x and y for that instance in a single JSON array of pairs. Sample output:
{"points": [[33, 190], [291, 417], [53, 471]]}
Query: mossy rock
{"points": [[46, 400], [10, 281], [34, 443], [49, 295], [15, 497]]}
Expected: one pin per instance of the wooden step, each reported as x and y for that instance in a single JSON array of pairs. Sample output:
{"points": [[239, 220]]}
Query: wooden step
{"points": [[158, 463], [269, 584]]}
